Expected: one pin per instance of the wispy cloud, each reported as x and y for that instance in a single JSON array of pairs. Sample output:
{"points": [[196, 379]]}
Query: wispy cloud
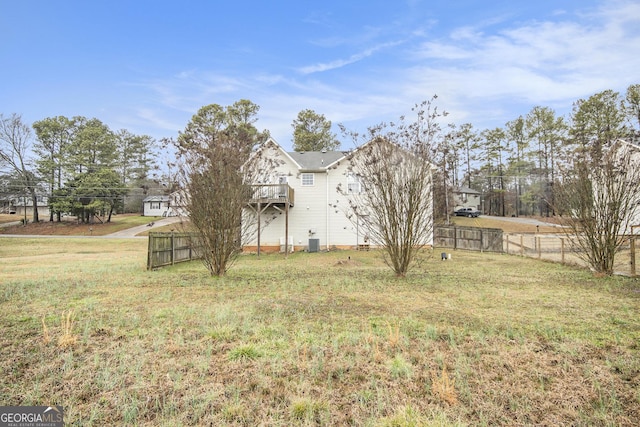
{"points": [[339, 63], [481, 74]]}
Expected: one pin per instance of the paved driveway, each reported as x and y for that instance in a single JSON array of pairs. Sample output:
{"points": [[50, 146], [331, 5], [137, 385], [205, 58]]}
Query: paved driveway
{"points": [[132, 232]]}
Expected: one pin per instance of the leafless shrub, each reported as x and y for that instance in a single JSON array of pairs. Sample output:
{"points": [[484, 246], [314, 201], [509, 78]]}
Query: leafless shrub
{"points": [[218, 166], [395, 206], [600, 201]]}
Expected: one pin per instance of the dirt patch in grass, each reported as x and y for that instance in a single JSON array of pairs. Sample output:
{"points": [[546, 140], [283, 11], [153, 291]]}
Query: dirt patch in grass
{"points": [[347, 263]]}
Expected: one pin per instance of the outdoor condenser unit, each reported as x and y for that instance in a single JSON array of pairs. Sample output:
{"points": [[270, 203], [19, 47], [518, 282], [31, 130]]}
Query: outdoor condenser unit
{"points": [[314, 245]]}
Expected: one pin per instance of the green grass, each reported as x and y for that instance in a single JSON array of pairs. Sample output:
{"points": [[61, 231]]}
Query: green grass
{"points": [[314, 340]]}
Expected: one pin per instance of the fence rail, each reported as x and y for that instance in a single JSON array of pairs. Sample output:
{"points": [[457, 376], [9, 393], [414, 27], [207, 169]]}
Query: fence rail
{"points": [[171, 248], [559, 248]]}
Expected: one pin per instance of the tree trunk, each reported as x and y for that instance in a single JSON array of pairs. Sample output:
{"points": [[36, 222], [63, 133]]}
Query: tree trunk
{"points": [[34, 200]]}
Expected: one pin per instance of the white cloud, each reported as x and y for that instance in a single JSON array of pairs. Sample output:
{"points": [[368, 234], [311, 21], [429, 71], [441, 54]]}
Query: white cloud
{"points": [[338, 63], [481, 76], [539, 63]]}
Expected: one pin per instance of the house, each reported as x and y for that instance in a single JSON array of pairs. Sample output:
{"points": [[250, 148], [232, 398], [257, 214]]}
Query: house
{"points": [[19, 205], [156, 206], [301, 202], [178, 204], [633, 223], [465, 197]]}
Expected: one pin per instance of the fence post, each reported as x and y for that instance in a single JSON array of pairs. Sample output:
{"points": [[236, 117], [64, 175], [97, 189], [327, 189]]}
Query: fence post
{"points": [[522, 245], [173, 249], [149, 251], [539, 248], [455, 238], [562, 249], [507, 236], [632, 243]]}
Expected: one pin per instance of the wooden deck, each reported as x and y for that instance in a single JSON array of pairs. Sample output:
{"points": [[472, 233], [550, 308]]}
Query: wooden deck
{"points": [[272, 194]]}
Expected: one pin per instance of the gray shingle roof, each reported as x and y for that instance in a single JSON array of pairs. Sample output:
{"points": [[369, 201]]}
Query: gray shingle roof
{"points": [[316, 160], [156, 199]]}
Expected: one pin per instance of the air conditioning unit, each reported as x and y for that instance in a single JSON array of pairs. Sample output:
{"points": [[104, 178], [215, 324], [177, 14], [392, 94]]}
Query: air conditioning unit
{"points": [[314, 245]]}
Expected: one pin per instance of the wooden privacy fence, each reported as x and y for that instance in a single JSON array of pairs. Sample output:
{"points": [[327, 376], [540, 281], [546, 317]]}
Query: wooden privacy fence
{"points": [[171, 248], [469, 238], [559, 248]]}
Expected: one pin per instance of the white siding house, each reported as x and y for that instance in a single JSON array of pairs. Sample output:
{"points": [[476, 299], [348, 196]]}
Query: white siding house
{"points": [[316, 209], [465, 197], [634, 220], [19, 205], [155, 206]]}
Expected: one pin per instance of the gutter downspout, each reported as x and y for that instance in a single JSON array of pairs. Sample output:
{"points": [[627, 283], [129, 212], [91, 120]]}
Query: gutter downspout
{"points": [[327, 208]]}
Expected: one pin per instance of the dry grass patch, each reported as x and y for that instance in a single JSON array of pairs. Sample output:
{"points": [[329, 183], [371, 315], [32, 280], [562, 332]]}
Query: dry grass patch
{"points": [[443, 387], [67, 336]]}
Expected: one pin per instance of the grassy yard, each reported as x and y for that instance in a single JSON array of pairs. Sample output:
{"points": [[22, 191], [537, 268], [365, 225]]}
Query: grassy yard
{"points": [[314, 339]]}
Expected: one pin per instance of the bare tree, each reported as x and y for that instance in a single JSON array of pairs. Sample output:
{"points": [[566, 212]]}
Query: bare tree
{"points": [[15, 148], [215, 176], [601, 200], [395, 205]]}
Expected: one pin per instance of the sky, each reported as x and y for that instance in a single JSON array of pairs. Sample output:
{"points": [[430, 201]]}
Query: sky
{"points": [[148, 65]]}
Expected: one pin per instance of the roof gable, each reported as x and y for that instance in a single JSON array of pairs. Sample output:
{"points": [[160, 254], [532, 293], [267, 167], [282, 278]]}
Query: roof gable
{"points": [[272, 144]]}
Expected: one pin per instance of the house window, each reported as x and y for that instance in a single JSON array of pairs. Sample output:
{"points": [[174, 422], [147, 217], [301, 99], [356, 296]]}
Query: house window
{"points": [[155, 205], [353, 184], [307, 179]]}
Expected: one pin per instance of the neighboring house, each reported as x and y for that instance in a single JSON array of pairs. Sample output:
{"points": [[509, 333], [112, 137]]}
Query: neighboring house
{"points": [[303, 193], [634, 221], [6, 206], [20, 204], [465, 197], [178, 204], [156, 206]]}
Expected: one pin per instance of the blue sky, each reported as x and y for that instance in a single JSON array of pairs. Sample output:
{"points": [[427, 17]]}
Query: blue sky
{"points": [[149, 65]]}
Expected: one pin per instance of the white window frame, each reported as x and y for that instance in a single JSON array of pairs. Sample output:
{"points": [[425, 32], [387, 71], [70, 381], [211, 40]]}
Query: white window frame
{"points": [[308, 179], [354, 186]]}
